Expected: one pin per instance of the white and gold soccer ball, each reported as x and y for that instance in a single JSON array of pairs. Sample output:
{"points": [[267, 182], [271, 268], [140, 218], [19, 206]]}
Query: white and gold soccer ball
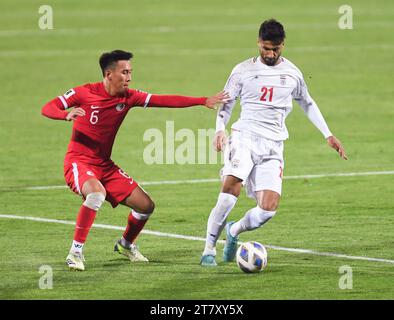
{"points": [[252, 257]]}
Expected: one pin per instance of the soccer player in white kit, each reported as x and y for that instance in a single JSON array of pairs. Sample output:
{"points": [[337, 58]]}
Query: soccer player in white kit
{"points": [[266, 86]]}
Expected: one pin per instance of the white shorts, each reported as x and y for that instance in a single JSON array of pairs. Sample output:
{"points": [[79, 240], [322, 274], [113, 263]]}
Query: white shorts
{"points": [[257, 161]]}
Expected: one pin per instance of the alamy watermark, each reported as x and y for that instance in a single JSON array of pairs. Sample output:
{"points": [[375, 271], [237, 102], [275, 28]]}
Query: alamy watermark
{"points": [[346, 278], [346, 19], [46, 280], [182, 146], [45, 22]]}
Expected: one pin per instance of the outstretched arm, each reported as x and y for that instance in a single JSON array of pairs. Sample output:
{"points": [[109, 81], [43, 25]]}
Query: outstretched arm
{"points": [[302, 96], [313, 113], [334, 143], [175, 101]]}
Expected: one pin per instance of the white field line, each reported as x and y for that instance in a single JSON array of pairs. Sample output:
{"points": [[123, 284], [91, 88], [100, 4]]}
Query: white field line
{"points": [[185, 52], [179, 236], [177, 29], [193, 181]]}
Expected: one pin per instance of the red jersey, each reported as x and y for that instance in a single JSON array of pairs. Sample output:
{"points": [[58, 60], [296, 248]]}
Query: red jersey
{"points": [[93, 135]]}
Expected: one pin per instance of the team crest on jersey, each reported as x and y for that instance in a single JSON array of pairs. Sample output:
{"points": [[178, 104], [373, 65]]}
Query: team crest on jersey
{"points": [[120, 106], [282, 79]]}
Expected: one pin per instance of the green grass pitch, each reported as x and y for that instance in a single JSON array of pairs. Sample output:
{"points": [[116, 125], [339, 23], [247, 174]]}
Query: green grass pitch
{"points": [[190, 47]]}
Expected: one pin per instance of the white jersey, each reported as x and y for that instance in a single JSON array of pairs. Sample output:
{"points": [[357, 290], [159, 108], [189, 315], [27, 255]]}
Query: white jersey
{"points": [[266, 94]]}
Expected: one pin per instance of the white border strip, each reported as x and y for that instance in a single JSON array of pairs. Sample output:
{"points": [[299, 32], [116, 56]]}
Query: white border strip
{"points": [[152, 183], [76, 177], [65, 105], [179, 236], [147, 100]]}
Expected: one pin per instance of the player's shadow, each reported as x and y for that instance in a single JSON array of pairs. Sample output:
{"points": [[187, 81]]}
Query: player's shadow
{"points": [[120, 262]]}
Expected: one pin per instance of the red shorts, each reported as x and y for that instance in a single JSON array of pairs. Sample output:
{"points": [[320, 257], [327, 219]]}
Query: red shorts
{"points": [[117, 183]]}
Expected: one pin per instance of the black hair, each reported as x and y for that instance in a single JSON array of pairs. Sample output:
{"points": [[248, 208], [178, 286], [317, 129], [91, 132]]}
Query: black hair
{"points": [[272, 30], [109, 59]]}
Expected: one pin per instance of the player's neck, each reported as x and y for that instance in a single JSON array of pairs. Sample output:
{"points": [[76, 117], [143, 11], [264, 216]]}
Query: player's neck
{"points": [[110, 90]]}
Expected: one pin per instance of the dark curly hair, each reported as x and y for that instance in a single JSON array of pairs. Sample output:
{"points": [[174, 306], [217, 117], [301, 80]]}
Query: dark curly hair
{"points": [[272, 30]]}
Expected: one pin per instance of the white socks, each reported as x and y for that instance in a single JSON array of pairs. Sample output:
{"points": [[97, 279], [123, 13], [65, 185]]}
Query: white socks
{"points": [[252, 219], [125, 243], [76, 247], [217, 220]]}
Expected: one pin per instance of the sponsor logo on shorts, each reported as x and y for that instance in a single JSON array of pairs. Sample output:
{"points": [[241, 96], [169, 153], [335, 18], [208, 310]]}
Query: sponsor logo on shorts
{"points": [[90, 173], [235, 163]]}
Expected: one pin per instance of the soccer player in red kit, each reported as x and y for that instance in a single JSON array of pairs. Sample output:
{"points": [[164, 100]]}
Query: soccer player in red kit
{"points": [[98, 111]]}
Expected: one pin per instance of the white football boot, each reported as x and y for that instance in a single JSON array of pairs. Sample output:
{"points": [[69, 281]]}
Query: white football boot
{"points": [[75, 261], [132, 252]]}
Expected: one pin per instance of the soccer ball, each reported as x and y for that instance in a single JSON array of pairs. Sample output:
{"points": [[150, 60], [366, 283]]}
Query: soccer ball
{"points": [[252, 257]]}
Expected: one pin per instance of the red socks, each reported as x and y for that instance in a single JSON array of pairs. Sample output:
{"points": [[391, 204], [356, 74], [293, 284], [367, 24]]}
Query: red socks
{"points": [[133, 229], [85, 220]]}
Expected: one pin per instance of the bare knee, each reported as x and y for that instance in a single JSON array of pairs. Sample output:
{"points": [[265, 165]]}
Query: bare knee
{"points": [[140, 202], [270, 206], [230, 190], [148, 208], [269, 200], [232, 185]]}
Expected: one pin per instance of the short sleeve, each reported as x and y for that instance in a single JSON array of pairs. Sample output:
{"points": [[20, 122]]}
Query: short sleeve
{"points": [[301, 91], [233, 84], [72, 97], [138, 98]]}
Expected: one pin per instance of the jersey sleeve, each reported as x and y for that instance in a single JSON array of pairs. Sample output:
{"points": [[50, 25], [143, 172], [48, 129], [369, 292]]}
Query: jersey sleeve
{"points": [[138, 98], [233, 84], [175, 101], [72, 97], [312, 111], [233, 88], [56, 108], [144, 99]]}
